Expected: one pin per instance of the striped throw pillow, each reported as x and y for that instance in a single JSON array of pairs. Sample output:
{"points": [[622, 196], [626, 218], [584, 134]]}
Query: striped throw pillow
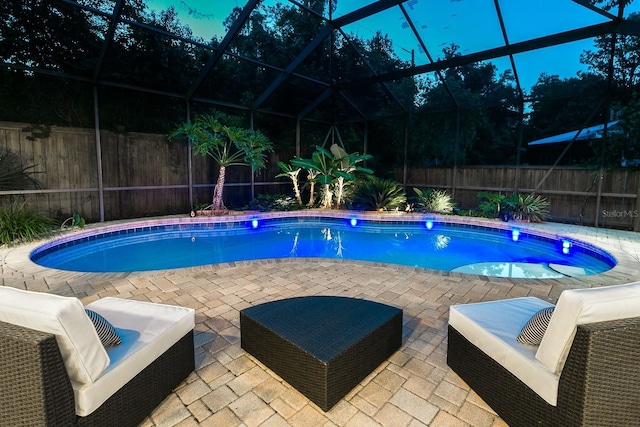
{"points": [[533, 331], [107, 333]]}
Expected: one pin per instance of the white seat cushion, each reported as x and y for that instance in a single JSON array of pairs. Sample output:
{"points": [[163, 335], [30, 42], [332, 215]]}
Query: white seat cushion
{"points": [[147, 331], [583, 306], [494, 327], [84, 356]]}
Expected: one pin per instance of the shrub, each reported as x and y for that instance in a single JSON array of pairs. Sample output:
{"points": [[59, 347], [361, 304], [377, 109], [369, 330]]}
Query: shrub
{"points": [[491, 204], [274, 202], [13, 175], [530, 208], [18, 223], [380, 195], [469, 212], [527, 207], [434, 201]]}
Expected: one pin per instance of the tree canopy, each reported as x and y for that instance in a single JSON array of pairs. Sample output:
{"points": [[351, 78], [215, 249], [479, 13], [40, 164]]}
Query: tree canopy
{"points": [[468, 113]]}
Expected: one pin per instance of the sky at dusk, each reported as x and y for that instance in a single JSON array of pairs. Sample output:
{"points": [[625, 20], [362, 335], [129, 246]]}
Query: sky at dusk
{"points": [[472, 25]]}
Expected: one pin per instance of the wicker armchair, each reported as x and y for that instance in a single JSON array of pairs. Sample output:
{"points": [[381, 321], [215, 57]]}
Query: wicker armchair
{"points": [[54, 370], [584, 372], [599, 385], [35, 389]]}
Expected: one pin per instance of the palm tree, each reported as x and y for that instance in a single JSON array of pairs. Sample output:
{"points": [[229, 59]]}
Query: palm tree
{"points": [[345, 169], [312, 176], [333, 166], [226, 145], [291, 173]]}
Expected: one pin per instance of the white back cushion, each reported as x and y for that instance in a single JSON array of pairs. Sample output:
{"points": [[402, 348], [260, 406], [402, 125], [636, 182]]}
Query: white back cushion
{"points": [[583, 306], [147, 330], [493, 327], [84, 356]]}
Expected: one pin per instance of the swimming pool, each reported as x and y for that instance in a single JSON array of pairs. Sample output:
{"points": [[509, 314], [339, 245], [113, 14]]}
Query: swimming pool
{"points": [[424, 244]]}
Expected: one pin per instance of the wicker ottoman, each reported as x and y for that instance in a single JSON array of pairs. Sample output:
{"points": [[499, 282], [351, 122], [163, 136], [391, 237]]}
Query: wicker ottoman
{"points": [[321, 345]]}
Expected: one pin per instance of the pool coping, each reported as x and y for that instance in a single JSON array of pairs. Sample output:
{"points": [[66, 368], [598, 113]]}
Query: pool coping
{"points": [[18, 257]]}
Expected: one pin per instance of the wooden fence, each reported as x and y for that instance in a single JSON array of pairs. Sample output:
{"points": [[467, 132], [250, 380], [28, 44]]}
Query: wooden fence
{"points": [[142, 174], [576, 195], [147, 175]]}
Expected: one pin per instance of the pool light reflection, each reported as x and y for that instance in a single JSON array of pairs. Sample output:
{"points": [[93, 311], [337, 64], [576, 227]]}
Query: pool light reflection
{"points": [[566, 247], [515, 234]]}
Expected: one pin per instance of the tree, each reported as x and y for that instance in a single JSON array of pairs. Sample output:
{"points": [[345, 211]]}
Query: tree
{"points": [[475, 107], [322, 163], [333, 169], [626, 61], [226, 145], [625, 146], [562, 105], [292, 173], [346, 167]]}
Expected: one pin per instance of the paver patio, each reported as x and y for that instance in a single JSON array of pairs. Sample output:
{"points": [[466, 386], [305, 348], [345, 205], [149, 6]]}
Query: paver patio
{"points": [[230, 388]]}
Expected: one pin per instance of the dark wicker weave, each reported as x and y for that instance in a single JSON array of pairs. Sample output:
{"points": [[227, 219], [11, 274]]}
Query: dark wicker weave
{"points": [[323, 346], [599, 385], [35, 389], [34, 386]]}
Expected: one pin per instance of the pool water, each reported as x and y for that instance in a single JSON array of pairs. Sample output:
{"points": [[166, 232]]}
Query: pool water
{"points": [[447, 247]]}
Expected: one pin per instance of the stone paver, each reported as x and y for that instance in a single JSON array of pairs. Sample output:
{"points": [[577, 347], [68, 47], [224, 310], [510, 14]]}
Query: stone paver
{"points": [[413, 388]]}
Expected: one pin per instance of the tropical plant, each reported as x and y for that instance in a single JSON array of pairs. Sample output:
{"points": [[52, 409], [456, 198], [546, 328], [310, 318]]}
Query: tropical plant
{"points": [[524, 207], [322, 163], [274, 202], [292, 173], [226, 145], [470, 212], [346, 169], [434, 201], [18, 223], [13, 175], [529, 207], [380, 195], [491, 205], [333, 169], [312, 176]]}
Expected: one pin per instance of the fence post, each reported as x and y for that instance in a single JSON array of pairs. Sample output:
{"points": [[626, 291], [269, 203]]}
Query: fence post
{"points": [[599, 196], [455, 157], [96, 125], [636, 213]]}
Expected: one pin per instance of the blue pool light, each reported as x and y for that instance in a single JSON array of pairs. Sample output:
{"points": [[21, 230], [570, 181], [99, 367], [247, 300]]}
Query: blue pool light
{"points": [[254, 223], [354, 222], [566, 246], [429, 224], [515, 234]]}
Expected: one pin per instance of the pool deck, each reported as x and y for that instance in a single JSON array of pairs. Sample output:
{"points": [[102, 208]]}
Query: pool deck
{"points": [[230, 388]]}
